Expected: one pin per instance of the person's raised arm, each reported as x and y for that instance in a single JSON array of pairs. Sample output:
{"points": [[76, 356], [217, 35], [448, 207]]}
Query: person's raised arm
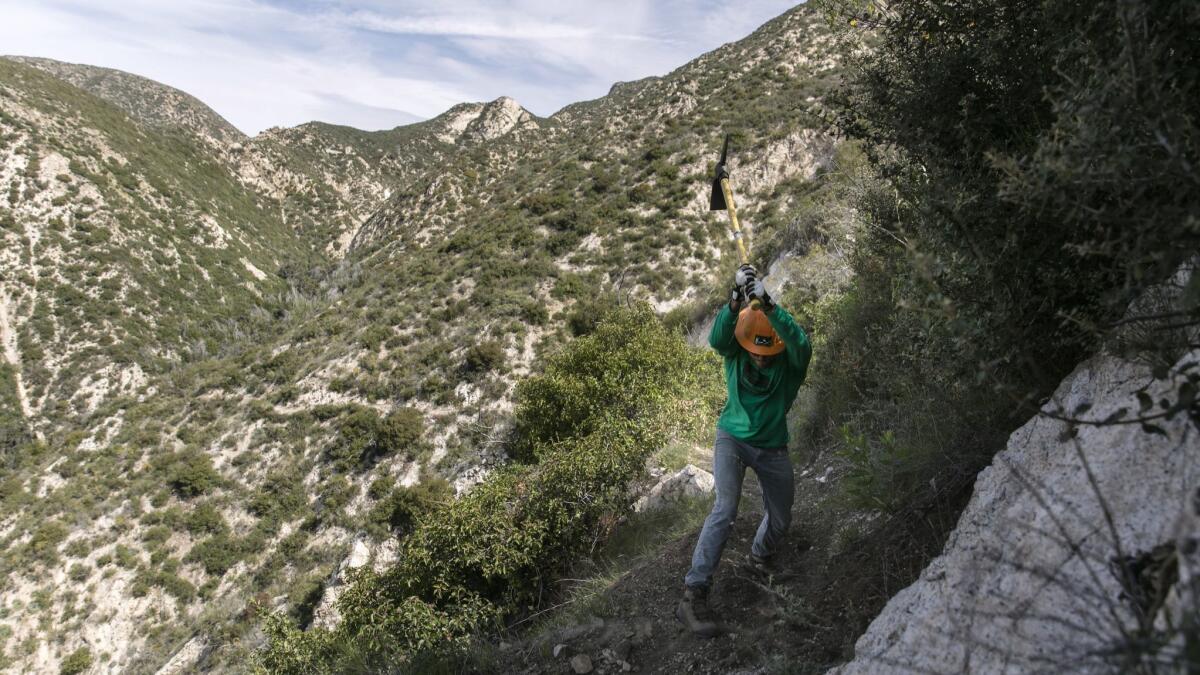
{"points": [[721, 337], [799, 349]]}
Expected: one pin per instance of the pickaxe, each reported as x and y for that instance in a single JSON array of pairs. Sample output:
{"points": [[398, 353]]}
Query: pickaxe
{"points": [[722, 200]]}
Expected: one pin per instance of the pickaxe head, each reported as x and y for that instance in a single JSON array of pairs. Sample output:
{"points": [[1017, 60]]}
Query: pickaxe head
{"points": [[717, 201]]}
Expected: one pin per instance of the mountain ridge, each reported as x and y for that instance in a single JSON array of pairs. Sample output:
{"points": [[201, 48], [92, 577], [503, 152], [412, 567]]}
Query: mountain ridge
{"points": [[152, 102]]}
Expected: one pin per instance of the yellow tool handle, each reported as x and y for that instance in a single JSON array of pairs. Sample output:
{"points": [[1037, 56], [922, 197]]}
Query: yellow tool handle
{"points": [[737, 229]]}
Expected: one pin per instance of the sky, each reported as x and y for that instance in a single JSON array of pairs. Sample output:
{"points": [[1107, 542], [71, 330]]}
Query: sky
{"points": [[376, 64]]}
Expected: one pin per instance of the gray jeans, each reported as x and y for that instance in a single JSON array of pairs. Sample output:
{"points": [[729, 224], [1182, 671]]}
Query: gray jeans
{"points": [[774, 470]]}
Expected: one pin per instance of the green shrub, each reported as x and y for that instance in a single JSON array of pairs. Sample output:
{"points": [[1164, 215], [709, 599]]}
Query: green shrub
{"points": [[281, 496], [79, 572], [125, 556], [43, 545], [205, 519], [374, 336], [155, 536], [492, 551], [401, 508], [629, 363], [335, 495], [189, 473], [174, 585], [364, 437], [588, 313], [484, 357], [1010, 236], [216, 555], [77, 663]]}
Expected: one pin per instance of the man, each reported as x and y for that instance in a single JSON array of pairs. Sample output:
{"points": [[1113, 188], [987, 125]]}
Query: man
{"points": [[766, 360]]}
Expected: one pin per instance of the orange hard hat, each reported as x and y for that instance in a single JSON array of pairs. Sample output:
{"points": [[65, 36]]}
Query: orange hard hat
{"points": [[755, 333]]}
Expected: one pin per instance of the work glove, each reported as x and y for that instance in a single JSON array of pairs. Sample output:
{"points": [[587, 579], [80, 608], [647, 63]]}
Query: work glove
{"points": [[737, 298], [745, 274], [756, 290]]}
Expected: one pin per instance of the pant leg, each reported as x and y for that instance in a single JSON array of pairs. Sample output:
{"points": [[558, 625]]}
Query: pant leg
{"points": [[728, 472], [774, 471]]}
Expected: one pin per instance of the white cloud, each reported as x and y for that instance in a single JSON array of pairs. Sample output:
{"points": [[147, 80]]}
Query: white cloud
{"points": [[358, 62]]}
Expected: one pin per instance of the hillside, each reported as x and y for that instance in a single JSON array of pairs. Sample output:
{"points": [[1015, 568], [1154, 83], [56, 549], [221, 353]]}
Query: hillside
{"points": [[282, 401], [326, 400], [144, 100], [128, 249]]}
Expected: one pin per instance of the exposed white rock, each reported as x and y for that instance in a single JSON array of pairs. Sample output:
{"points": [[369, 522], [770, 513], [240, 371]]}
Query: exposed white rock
{"points": [[382, 556], [185, 658], [690, 481], [258, 274], [1026, 582], [456, 120], [326, 614], [498, 118]]}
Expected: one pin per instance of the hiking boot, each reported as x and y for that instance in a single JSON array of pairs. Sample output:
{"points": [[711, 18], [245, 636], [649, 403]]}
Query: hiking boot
{"points": [[763, 564], [766, 568], [694, 613]]}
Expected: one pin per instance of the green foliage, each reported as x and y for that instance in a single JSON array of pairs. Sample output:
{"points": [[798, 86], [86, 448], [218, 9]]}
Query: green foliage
{"points": [[189, 473], [174, 585], [1011, 232], [1016, 134], [281, 496], [629, 363], [365, 437], [336, 493], [205, 519], [400, 508], [77, 663], [216, 554], [79, 572], [484, 357], [589, 313], [882, 475], [490, 553], [14, 432], [43, 544]]}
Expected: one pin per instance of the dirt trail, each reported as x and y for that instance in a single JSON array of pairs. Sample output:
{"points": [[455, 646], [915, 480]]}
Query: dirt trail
{"points": [[8, 338], [833, 581]]}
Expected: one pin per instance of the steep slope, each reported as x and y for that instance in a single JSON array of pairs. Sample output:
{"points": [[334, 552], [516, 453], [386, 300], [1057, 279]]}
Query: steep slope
{"points": [[330, 179], [152, 103], [609, 195], [126, 248], [248, 470]]}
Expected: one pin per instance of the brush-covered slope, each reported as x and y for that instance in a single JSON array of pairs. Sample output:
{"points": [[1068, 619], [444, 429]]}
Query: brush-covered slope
{"points": [[262, 449], [144, 100], [330, 179], [126, 248]]}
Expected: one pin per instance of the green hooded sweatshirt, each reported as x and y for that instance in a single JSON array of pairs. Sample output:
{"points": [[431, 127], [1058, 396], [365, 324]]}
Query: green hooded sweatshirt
{"points": [[756, 411]]}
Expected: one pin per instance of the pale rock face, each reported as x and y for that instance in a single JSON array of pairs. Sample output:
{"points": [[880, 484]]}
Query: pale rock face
{"points": [[498, 118], [380, 557], [457, 120], [690, 481], [326, 614], [1026, 581], [185, 658]]}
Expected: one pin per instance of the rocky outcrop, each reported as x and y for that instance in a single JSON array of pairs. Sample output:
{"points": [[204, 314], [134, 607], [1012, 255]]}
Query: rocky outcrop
{"points": [[1077, 552], [690, 481], [497, 119], [326, 614]]}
